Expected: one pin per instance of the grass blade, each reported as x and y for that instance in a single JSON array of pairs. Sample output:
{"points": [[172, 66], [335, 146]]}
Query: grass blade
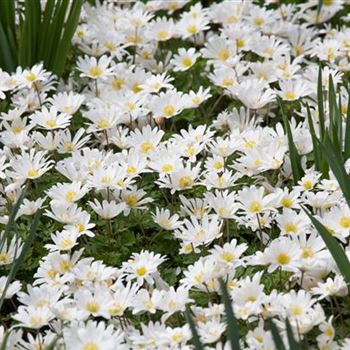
{"points": [[347, 131], [337, 165], [18, 262], [334, 247], [232, 324], [320, 104], [293, 344], [295, 158], [65, 43], [276, 335], [195, 337]]}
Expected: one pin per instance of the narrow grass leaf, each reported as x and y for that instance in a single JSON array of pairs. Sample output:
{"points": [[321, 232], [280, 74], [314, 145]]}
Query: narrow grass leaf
{"points": [[276, 335], [320, 104], [232, 324], [18, 262], [347, 131], [334, 247], [293, 344], [337, 165], [195, 337], [295, 158]]}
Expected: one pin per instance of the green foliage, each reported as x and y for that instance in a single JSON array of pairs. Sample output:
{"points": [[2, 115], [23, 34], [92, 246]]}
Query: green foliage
{"points": [[42, 35], [295, 158], [233, 327], [26, 246]]}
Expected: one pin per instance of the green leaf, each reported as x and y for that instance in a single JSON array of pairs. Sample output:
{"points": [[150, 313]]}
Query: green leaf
{"points": [[321, 116], [65, 43], [293, 344], [276, 335], [3, 344], [337, 165], [232, 324], [334, 247], [295, 158], [347, 131], [18, 262], [319, 7], [195, 337]]}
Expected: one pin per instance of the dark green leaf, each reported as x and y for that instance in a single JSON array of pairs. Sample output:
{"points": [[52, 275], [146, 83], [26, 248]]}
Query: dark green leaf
{"points": [[334, 247], [232, 324]]}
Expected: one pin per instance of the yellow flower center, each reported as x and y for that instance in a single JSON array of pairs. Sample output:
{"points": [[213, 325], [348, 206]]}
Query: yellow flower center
{"points": [[224, 54], [192, 29], [146, 147], [130, 200], [32, 173], [345, 222], [187, 62], [329, 332], [167, 168], [4, 258], [70, 196], [103, 123], [218, 165], [131, 170], [255, 207], [283, 259], [307, 185], [240, 43], [250, 144], [51, 123], [287, 202], [185, 181], [66, 243], [116, 309], [141, 271], [95, 72], [227, 256], [307, 253], [296, 310], [162, 35], [259, 21], [169, 110], [91, 346], [118, 83], [31, 77], [36, 321], [92, 307], [199, 277], [290, 228], [106, 180], [290, 95]]}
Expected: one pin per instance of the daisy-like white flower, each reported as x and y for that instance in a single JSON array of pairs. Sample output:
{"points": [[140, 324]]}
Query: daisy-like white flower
{"points": [[185, 59], [254, 201], [167, 104], [180, 179], [143, 266], [107, 210], [33, 317], [12, 289], [95, 69], [164, 219], [255, 93], [67, 192], [35, 76], [92, 336], [29, 166], [67, 103], [292, 90], [146, 140], [50, 119]]}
